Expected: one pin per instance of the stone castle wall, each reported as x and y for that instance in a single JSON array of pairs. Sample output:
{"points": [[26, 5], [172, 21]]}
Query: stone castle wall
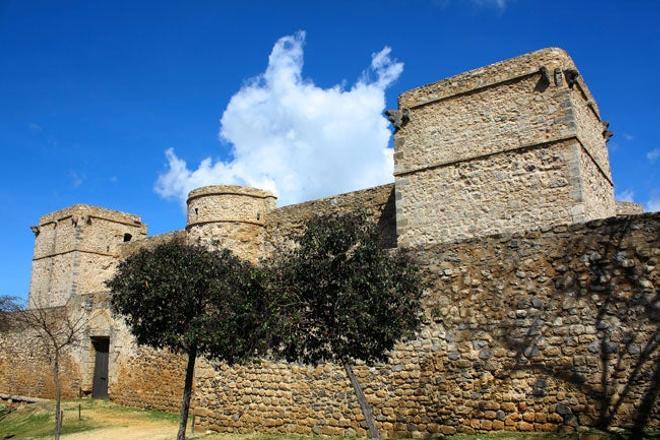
{"points": [[516, 332], [377, 203], [516, 329], [502, 193], [25, 369]]}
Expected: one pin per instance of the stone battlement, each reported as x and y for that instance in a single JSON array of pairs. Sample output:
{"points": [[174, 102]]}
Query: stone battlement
{"points": [[85, 211]]}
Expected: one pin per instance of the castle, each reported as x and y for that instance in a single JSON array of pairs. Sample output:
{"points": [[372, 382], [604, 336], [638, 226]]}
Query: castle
{"points": [[502, 189]]}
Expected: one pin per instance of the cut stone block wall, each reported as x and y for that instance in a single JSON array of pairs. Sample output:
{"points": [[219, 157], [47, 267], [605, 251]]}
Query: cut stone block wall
{"points": [[482, 118], [230, 216], [501, 193], [75, 250]]}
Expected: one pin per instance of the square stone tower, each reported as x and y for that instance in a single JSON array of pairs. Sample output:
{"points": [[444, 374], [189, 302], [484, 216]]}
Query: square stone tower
{"points": [[76, 249], [513, 146]]}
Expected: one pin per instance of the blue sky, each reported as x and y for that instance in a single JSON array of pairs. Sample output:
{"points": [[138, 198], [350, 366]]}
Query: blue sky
{"points": [[92, 94]]}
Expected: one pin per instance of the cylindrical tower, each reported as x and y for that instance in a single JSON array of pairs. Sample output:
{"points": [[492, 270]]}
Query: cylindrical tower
{"points": [[230, 216]]}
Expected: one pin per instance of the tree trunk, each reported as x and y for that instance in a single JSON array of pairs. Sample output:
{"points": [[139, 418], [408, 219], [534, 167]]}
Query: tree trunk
{"points": [[364, 405], [58, 396], [648, 403], [187, 393]]}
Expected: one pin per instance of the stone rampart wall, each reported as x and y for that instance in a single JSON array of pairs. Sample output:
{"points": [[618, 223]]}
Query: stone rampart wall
{"points": [[148, 378], [377, 202], [26, 371], [542, 330], [519, 332]]}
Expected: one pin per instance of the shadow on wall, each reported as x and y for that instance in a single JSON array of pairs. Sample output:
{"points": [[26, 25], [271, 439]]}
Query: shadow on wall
{"points": [[547, 331], [612, 306]]}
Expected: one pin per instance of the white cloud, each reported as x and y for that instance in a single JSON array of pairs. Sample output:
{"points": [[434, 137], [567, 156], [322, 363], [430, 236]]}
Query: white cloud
{"points": [[77, 179], [653, 204], [653, 155], [499, 4], [294, 138], [625, 196]]}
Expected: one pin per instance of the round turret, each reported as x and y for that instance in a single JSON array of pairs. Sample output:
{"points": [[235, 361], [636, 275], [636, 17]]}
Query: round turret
{"points": [[230, 216]]}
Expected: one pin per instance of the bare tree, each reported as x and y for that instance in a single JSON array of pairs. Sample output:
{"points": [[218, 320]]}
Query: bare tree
{"points": [[8, 305], [53, 331]]}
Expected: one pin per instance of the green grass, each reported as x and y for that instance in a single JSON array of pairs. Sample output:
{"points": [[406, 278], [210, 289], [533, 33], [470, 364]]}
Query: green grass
{"points": [[517, 436], [38, 421], [150, 414], [591, 435]]}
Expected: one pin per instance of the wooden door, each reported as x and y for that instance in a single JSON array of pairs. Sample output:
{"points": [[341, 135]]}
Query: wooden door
{"points": [[100, 386]]}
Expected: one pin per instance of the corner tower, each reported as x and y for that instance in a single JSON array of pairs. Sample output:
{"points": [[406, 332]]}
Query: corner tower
{"points": [[230, 216], [516, 145], [76, 249]]}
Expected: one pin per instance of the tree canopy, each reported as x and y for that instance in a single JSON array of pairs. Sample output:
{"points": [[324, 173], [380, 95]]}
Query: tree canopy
{"points": [[181, 296], [344, 296], [194, 301]]}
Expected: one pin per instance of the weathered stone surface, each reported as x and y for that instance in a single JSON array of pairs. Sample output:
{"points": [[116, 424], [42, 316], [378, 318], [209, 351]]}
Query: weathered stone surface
{"points": [[76, 250], [499, 149]]}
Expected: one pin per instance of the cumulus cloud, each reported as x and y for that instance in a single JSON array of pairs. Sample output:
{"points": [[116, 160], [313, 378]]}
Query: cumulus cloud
{"points": [[653, 204], [295, 138], [653, 155], [498, 4], [625, 196]]}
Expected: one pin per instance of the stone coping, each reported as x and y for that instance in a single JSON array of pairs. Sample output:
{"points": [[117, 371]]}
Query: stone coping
{"points": [[79, 210], [494, 74], [218, 190]]}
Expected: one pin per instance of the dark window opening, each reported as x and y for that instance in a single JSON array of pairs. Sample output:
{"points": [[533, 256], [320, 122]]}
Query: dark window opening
{"points": [[127, 237], [258, 216], [100, 384], [196, 212]]}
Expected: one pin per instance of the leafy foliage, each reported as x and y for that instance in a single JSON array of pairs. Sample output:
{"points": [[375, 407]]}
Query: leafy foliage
{"points": [[185, 297], [344, 297]]}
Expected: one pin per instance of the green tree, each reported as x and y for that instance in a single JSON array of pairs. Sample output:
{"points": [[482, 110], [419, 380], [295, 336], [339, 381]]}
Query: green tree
{"points": [[192, 301], [344, 298]]}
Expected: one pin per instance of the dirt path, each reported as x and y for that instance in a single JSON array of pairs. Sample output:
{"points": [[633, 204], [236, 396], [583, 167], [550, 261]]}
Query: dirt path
{"points": [[115, 425], [132, 432]]}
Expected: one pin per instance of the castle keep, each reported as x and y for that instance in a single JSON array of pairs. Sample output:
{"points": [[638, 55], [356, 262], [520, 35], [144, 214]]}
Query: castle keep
{"points": [[502, 191]]}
